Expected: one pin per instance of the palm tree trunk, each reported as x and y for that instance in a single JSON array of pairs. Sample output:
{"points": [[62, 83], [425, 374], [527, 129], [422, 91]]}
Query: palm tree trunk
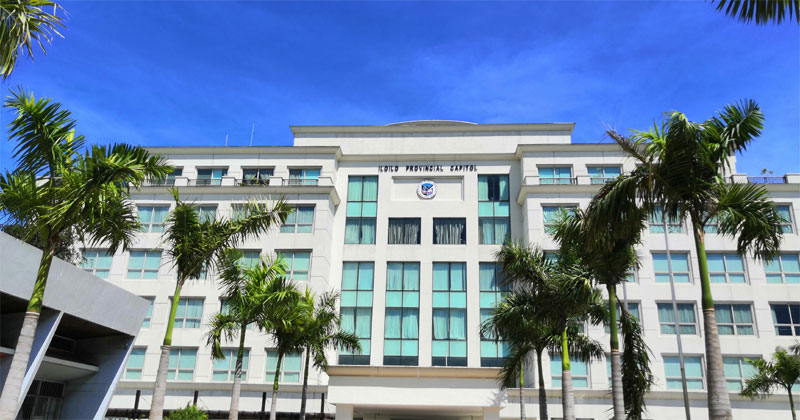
{"points": [[521, 398], [791, 403], [12, 388], [273, 405], [567, 397], [233, 413], [617, 395], [542, 391], [304, 394], [719, 404], [160, 387]]}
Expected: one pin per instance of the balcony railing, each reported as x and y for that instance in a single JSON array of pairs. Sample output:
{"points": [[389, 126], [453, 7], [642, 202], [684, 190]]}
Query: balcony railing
{"points": [[602, 180], [557, 181], [766, 179], [158, 182], [300, 181], [253, 182], [205, 182]]}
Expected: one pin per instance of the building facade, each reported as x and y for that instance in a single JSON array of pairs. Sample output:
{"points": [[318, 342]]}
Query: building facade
{"points": [[404, 220]]}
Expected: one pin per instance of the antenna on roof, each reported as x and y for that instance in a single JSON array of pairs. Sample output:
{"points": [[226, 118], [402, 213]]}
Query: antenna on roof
{"points": [[226, 139], [251, 134]]}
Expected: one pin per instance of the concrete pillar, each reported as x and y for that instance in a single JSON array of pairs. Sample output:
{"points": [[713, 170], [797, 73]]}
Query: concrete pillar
{"points": [[345, 412], [491, 413]]}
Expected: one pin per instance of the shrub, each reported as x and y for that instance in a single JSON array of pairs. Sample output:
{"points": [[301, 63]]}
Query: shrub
{"points": [[190, 412]]}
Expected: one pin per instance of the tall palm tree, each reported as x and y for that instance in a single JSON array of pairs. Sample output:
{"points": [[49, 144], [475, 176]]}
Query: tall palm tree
{"points": [[682, 170], [322, 331], [285, 323], [761, 11], [519, 321], [782, 372], [24, 23], [244, 291], [571, 301], [195, 245], [57, 188], [609, 256]]}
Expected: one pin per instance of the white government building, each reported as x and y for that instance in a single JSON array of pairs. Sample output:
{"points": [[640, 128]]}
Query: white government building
{"points": [[404, 219]]}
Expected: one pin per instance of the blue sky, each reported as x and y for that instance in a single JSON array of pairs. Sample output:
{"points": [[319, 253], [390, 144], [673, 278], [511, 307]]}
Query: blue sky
{"points": [[190, 73]]}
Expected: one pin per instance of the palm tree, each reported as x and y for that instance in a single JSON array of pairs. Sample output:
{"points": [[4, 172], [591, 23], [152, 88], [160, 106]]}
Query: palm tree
{"points": [[609, 256], [322, 331], [782, 372], [285, 323], [518, 321], [762, 11], [24, 23], [59, 188], [571, 301], [519, 318], [245, 296], [195, 245], [682, 170]]}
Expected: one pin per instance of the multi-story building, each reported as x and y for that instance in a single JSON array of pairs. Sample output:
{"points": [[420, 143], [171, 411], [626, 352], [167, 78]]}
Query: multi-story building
{"points": [[405, 219]]}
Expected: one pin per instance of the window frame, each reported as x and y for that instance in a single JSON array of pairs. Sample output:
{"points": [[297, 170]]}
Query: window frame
{"points": [[304, 179], [360, 221], [736, 325], [449, 360], [669, 257], [96, 257], [148, 227], [787, 223], [231, 370], [497, 293], [681, 324], [688, 379], [139, 369], [185, 300], [282, 378], [494, 219], [199, 208], [290, 271], [259, 179], [210, 181], [740, 359], [295, 225], [362, 358], [462, 240], [603, 179], [402, 360], [553, 180], [727, 273], [143, 268], [396, 219], [548, 226], [556, 358], [783, 273], [177, 370], [794, 326], [621, 304], [671, 225], [148, 317]]}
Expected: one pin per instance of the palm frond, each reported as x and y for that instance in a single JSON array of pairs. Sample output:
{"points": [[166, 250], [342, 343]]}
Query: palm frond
{"points": [[222, 327], [746, 211], [26, 23], [761, 12], [637, 377]]}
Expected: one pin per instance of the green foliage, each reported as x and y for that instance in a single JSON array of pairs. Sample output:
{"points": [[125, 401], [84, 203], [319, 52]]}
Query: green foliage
{"points": [[60, 189], [24, 23], [190, 412], [761, 11], [322, 329], [637, 377], [783, 371]]}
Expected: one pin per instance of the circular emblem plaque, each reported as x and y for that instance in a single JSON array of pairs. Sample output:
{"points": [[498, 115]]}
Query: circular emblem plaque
{"points": [[426, 189]]}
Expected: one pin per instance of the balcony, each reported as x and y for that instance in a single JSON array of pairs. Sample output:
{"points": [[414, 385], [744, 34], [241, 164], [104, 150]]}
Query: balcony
{"points": [[557, 181], [766, 179], [265, 185]]}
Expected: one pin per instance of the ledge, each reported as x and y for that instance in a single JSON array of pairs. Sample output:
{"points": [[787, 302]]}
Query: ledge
{"points": [[248, 190], [414, 372]]}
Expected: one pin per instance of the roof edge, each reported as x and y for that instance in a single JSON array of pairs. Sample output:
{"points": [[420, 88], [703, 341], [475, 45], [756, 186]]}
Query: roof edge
{"points": [[423, 128]]}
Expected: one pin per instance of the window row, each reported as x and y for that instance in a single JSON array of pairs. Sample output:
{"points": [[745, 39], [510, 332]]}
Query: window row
{"points": [[153, 217], [183, 362], [147, 264], [212, 176], [493, 216]]}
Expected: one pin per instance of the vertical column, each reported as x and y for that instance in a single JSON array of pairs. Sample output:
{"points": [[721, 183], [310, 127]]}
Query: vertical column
{"points": [[345, 412]]}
